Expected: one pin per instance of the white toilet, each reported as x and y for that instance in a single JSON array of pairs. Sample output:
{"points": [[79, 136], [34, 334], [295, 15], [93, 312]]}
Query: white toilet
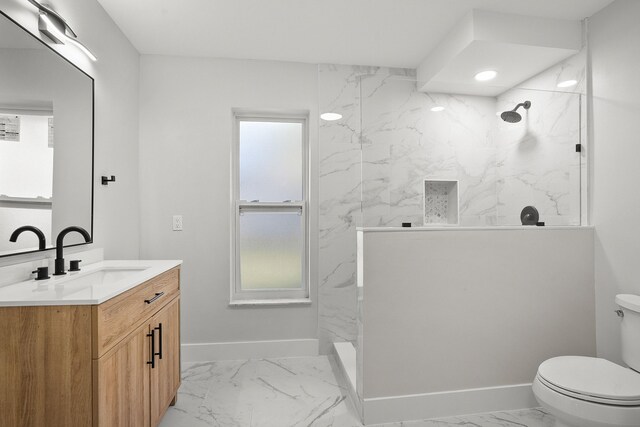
{"points": [[590, 392]]}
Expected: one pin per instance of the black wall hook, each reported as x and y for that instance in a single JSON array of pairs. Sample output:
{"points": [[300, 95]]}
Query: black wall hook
{"points": [[106, 180]]}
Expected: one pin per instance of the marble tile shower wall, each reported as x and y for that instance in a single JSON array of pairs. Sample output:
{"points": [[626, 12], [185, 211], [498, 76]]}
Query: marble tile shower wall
{"points": [[340, 190], [537, 163], [404, 143], [339, 204], [502, 167]]}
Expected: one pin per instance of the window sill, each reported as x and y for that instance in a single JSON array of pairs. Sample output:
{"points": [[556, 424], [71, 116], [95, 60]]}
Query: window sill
{"points": [[267, 302]]}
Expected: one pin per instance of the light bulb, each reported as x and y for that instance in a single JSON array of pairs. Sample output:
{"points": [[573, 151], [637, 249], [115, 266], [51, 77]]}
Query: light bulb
{"points": [[330, 117], [484, 76]]}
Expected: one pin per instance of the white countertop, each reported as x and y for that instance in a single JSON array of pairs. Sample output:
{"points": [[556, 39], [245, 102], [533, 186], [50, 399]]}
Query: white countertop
{"points": [[66, 290]]}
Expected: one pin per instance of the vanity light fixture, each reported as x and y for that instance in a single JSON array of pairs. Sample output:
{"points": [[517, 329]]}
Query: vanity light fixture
{"points": [[51, 24], [484, 76], [437, 109], [330, 117], [567, 83]]}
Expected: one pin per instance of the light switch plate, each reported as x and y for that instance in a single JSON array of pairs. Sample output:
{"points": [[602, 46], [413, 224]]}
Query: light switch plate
{"points": [[177, 223]]}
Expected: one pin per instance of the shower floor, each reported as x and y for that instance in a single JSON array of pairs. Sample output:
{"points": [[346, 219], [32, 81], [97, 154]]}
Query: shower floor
{"points": [[300, 392]]}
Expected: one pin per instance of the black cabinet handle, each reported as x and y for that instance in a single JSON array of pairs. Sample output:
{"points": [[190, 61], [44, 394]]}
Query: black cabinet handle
{"points": [[159, 353], [158, 295], [152, 362]]}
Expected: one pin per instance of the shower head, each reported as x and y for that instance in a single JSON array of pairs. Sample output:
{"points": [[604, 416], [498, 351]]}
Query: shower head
{"points": [[513, 116]]}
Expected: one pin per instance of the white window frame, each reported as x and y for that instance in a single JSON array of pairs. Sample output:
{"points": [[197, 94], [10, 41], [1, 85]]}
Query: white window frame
{"points": [[272, 295]]}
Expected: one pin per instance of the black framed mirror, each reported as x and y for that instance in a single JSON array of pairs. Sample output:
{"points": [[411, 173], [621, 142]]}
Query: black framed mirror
{"points": [[46, 142]]}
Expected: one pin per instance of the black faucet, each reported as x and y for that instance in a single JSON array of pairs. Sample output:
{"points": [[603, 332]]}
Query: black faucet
{"points": [[43, 241], [59, 264]]}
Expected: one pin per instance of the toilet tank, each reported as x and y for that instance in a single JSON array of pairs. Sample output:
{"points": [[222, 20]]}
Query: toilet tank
{"points": [[630, 329]]}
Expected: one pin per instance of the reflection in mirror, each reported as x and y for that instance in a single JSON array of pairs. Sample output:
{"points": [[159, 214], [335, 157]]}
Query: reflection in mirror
{"points": [[46, 141]]}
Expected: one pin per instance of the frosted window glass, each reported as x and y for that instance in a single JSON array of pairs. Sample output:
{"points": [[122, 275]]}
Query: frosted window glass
{"points": [[270, 161], [271, 250]]}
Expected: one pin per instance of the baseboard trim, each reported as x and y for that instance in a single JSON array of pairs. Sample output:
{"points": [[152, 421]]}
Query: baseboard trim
{"points": [[205, 352], [446, 404]]}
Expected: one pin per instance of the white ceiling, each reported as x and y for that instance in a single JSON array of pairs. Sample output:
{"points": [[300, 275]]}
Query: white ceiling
{"points": [[514, 63], [512, 45], [394, 33]]}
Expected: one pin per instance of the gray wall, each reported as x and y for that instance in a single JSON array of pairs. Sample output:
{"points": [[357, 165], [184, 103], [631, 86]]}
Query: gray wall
{"points": [[116, 209], [186, 128], [463, 309], [614, 37]]}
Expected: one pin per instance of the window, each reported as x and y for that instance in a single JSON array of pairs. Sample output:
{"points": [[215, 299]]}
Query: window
{"points": [[270, 251]]}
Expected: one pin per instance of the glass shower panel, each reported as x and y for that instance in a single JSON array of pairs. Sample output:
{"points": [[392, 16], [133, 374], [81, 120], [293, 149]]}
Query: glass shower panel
{"points": [[271, 161], [493, 169], [537, 160], [271, 249]]}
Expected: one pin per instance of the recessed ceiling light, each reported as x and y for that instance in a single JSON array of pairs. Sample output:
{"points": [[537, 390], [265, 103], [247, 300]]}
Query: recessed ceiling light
{"points": [[568, 83], [437, 109], [330, 117], [484, 76]]}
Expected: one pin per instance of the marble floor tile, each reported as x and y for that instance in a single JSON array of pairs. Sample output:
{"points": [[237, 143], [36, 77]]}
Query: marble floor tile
{"points": [[261, 393], [295, 392], [521, 418]]}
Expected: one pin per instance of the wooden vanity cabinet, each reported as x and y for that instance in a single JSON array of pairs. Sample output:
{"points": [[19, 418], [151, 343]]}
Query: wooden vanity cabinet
{"points": [[45, 366], [113, 364], [136, 365]]}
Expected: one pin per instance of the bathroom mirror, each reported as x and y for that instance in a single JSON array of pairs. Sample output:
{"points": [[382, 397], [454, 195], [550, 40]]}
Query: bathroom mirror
{"points": [[46, 142]]}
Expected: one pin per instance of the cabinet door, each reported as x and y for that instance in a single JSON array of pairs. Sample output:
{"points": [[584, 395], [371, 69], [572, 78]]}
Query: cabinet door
{"points": [[45, 366], [165, 375], [121, 383]]}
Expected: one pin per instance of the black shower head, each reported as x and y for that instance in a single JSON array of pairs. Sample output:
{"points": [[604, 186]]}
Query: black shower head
{"points": [[513, 116]]}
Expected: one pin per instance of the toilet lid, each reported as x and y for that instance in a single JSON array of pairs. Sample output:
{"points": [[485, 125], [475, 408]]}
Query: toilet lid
{"points": [[592, 377]]}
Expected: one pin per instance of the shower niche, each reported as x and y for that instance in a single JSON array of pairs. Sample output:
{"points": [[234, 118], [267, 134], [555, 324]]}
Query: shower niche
{"points": [[441, 206]]}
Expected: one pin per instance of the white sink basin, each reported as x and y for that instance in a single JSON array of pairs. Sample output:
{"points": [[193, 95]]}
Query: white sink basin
{"points": [[103, 276], [85, 282]]}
